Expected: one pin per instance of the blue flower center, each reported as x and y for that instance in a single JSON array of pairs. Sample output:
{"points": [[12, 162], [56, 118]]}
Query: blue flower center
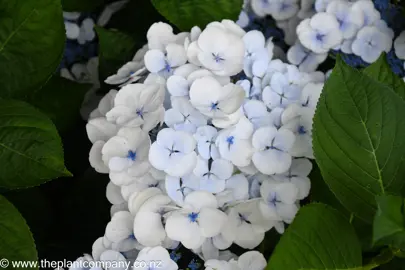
{"points": [[214, 106], [301, 130], [319, 37], [193, 217], [131, 155], [284, 6], [273, 199], [230, 139], [244, 218], [217, 58], [139, 112], [131, 73], [132, 236], [168, 68]]}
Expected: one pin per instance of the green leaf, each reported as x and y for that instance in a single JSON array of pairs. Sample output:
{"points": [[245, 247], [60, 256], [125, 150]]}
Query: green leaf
{"points": [[320, 192], [319, 238], [389, 221], [395, 264], [16, 241], [358, 139], [381, 71], [60, 99], [188, 13], [32, 41], [31, 151], [81, 5], [115, 49]]}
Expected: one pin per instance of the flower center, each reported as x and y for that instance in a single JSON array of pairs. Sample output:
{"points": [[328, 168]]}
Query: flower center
{"points": [[131, 155], [230, 139], [273, 199], [132, 236], [214, 106], [301, 130], [168, 68], [244, 218], [217, 58], [319, 37], [193, 217]]}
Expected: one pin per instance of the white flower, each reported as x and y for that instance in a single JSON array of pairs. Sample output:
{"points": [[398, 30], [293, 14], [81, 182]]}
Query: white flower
{"points": [[299, 120], [236, 189], [129, 73], [256, 53], [205, 137], [370, 13], [72, 30], [156, 61], [214, 100], [99, 246], [113, 194], [149, 222], [256, 112], [243, 20], [126, 154], [219, 50], [262, 7], [156, 258], [252, 91], [114, 256], [137, 199], [306, 60], [173, 152], [252, 260], [235, 146], [71, 15], [183, 116], [178, 188], [272, 150], [307, 9], [214, 264], [83, 262], [99, 129], [159, 36], [298, 175], [284, 9], [95, 158], [281, 92], [350, 19], [120, 231], [289, 28], [320, 33], [255, 182], [370, 42], [310, 94], [247, 224], [109, 10], [279, 202], [346, 46], [199, 219], [399, 46], [87, 32], [138, 185], [105, 105], [138, 105], [213, 174]]}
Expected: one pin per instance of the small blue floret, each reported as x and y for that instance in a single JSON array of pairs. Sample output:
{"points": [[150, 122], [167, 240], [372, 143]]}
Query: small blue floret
{"points": [[131, 155], [193, 217], [230, 139]]}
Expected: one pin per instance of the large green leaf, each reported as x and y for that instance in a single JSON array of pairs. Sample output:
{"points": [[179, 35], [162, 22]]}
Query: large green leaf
{"points": [[319, 238], [381, 71], [389, 222], [32, 39], [187, 13], [115, 49], [358, 139], [61, 100], [30, 148], [16, 241], [81, 5]]}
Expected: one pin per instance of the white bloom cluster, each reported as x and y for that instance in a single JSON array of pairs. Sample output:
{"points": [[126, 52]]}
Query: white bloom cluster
{"points": [[233, 161], [352, 27], [84, 31]]}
